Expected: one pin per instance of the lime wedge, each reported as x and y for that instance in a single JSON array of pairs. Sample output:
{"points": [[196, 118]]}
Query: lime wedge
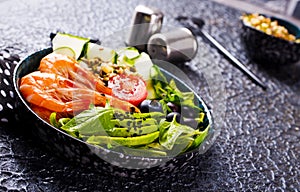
{"points": [[104, 53], [66, 51], [77, 44]]}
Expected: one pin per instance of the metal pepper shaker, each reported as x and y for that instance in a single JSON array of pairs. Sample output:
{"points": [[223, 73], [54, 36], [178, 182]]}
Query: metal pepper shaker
{"points": [[146, 21], [177, 45]]}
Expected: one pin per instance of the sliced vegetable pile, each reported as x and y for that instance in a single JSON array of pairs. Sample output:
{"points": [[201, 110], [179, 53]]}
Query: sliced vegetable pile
{"points": [[115, 99]]}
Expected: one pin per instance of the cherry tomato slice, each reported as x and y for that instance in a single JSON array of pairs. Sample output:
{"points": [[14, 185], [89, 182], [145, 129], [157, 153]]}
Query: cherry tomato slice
{"points": [[129, 88]]}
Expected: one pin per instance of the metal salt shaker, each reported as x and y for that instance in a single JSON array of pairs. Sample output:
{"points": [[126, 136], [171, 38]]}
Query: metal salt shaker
{"points": [[177, 45], [146, 21]]}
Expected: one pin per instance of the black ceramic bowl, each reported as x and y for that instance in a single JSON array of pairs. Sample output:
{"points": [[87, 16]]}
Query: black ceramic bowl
{"points": [[270, 50], [75, 150]]}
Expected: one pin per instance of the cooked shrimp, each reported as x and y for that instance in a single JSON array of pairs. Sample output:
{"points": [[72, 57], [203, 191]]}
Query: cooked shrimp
{"points": [[97, 99], [45, 113], [124, 105], [56, 93], [41, 89], [69, 68]]}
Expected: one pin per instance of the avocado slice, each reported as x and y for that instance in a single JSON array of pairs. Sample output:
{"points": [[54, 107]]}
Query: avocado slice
{"points": [[129, 132], [126, 141]]}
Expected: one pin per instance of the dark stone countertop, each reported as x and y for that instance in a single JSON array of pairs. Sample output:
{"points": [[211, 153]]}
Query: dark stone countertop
{"points": [[258, 148]]}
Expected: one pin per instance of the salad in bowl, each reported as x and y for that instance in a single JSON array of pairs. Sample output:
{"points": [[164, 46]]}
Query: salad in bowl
{"points": [[114, 100]]}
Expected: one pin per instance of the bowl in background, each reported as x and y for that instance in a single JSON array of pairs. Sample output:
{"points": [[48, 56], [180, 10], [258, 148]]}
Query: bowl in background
{"points": [[270, 50]]}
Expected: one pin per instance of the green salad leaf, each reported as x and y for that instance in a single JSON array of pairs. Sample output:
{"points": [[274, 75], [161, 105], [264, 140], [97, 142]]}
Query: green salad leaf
{"points": [[168, 91], [144, 133], [199, 138], [96, 120], [170, 132]]}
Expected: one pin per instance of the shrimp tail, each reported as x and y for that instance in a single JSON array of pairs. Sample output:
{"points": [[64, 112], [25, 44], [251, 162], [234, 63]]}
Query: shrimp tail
{"points": [[45, 113], [124, 105]]}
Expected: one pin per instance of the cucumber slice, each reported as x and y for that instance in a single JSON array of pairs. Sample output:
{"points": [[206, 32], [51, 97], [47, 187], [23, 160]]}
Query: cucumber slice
{"points": [[77, 44], [104, 53], [143, 65], [129, 52], [127, 55], [66, 51]]}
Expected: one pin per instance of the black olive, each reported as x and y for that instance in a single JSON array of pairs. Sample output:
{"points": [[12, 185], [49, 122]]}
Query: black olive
{"points": [[144, 106], [150, 106], [173, 107], [171, 115], [189, 112]]}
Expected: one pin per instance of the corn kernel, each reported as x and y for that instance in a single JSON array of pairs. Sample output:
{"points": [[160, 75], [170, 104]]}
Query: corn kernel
{"points": [[267, 26]]}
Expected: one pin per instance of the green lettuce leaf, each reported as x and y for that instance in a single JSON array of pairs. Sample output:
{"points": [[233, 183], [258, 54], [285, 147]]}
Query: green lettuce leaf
{"points": [[94, 121], [171, 131], [169, 92]]}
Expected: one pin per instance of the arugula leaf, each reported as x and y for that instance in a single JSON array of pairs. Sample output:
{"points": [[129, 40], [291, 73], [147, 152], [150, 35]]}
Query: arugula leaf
{"points": [[199, 139], [169, 92], [157, 76], [171, 131]]}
